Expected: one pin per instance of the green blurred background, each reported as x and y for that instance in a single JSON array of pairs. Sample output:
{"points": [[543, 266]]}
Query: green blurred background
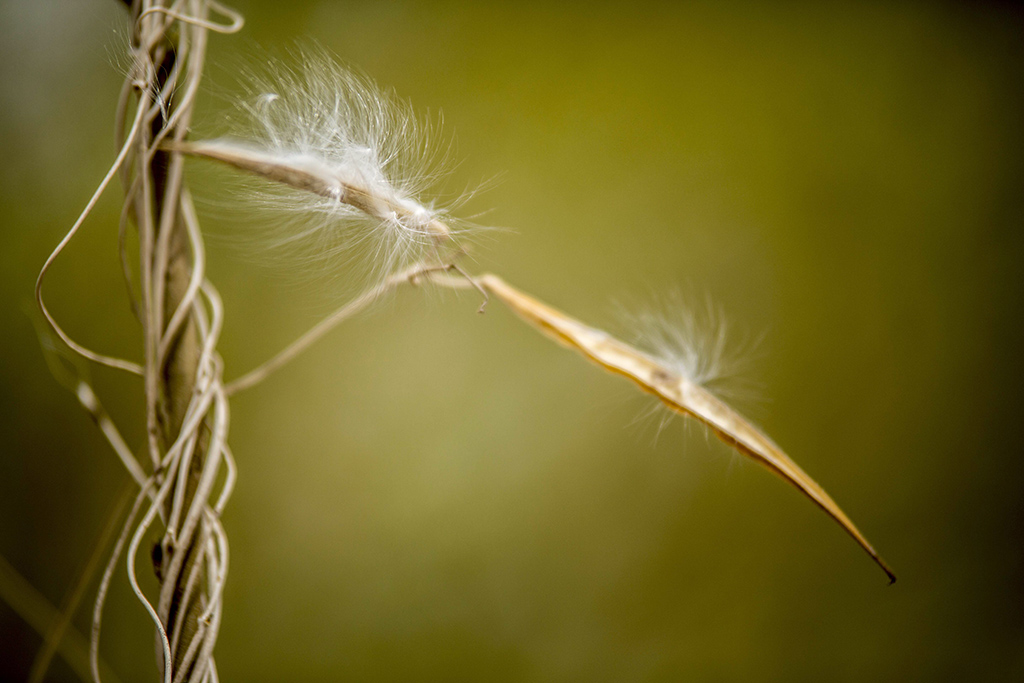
{"points": [[433, 495]]}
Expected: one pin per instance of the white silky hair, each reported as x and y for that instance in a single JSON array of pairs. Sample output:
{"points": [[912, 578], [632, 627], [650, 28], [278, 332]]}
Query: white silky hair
{"points": [[693, 338], [308, 112]]}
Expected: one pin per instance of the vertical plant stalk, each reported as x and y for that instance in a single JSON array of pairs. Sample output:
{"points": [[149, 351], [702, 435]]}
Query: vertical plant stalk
{"points": [[181, 316], [186, 408]]}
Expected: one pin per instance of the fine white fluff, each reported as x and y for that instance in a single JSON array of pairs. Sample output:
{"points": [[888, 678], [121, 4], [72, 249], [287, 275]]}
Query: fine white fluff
{"points": [[694, 341], [313, 114]]}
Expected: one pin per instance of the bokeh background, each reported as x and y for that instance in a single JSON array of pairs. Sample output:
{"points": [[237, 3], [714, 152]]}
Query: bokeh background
{"points": [[433, 495]]}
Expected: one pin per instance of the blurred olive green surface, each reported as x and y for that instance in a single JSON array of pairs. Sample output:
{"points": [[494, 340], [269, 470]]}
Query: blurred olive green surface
{"points": [[432, 495]]}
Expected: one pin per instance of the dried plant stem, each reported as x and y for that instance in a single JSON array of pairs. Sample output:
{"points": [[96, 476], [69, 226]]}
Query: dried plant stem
{"points": [[181, 317], [351, 308], [180, 365], [348, 310]]}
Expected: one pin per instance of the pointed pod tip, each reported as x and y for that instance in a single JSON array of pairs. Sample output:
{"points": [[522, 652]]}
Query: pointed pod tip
{"points": [[885, 568]]}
